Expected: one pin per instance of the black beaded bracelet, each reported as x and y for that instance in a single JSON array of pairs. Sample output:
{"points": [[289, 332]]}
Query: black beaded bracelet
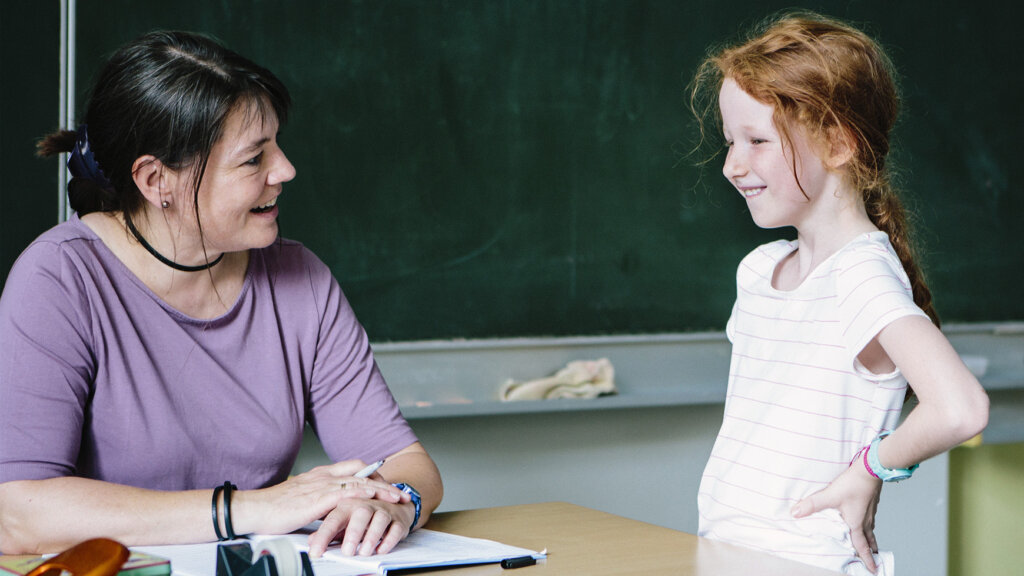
{"points": [[228, 489], [215, 515]]}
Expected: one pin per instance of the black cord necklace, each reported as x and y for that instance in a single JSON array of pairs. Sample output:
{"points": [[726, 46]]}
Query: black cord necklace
{"points": [[162, 258]]}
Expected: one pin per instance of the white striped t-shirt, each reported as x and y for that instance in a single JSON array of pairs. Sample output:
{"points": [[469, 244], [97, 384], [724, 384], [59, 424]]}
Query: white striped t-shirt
{"points": [[799, 405]]}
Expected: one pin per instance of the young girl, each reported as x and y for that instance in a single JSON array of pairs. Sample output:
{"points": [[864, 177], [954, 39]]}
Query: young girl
{"points": [[828, 329]]}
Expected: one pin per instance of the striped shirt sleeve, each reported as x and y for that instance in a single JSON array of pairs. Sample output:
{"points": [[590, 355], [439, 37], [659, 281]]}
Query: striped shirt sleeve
{"points": [[872, 291]]}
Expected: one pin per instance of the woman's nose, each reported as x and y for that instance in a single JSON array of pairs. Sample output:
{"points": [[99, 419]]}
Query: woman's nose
{"points": [[283, 170]]}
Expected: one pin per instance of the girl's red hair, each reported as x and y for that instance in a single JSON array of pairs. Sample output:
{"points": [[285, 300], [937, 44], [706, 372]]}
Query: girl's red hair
{"points": [[836, 83]]}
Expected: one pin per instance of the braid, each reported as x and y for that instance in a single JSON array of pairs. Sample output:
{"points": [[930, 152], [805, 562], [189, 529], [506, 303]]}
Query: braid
{"points": [[887, 213]]}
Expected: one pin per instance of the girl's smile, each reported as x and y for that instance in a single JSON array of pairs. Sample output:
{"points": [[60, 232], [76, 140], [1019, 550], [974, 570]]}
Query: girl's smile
{"points": [[780, 179]]}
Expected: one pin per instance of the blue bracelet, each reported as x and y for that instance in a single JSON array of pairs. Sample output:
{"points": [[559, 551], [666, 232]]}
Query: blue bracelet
{"points": [[876, 468], [417, 502]]}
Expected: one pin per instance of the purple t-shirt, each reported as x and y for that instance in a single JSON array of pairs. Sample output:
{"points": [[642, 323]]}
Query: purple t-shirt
{"points": [[100, 378]]}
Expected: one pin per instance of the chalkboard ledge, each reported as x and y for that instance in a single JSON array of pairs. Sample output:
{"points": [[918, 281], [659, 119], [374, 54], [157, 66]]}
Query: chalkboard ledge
{"points": [[447, 379]]}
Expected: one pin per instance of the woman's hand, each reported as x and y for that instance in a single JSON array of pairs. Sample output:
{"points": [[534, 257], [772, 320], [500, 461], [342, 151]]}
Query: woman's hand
{"points": [[307, 497], [855, 494], [370, 526]]}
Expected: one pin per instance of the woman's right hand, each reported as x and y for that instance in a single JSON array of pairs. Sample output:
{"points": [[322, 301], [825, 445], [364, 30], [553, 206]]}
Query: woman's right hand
{"points": [[306, 497]]}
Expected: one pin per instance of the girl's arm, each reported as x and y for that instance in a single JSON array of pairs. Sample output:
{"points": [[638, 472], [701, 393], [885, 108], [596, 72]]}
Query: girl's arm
{"points": [[952, 408]]}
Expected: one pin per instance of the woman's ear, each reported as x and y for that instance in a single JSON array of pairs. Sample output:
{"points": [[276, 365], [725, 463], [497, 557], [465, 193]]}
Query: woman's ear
{"points": [[154, 180]]}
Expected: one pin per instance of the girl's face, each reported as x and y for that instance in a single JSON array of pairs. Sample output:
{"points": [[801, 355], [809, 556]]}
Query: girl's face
{"points": [[761, 165], [243, 178]]}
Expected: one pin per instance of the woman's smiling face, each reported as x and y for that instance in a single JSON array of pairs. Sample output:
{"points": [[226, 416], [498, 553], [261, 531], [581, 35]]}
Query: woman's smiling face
{"points": [[243, 179]]}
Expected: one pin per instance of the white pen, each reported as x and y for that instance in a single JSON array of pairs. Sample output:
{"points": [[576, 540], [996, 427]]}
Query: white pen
{"points": [[369, 469]]}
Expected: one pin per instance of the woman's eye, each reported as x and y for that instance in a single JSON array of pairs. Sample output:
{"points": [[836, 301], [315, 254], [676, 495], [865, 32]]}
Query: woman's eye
{"points": [[757, 141], [255, 160]]}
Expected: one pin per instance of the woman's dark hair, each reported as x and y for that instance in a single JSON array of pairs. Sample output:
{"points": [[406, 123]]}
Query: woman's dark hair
{"points": [[166, 94]]}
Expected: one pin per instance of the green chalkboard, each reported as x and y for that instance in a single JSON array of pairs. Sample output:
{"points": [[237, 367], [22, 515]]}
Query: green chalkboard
{"points": [[475, 168], [30, 69]]}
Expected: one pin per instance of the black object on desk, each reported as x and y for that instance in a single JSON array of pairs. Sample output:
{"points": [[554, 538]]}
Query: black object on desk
{"points": [[236, 560], [519, 562]]}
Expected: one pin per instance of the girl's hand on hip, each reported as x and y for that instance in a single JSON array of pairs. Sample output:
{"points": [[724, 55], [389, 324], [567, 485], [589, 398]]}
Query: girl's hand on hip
{"points": [[855, 494]]}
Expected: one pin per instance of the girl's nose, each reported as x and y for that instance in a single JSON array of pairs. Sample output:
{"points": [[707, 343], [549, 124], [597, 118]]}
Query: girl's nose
{"points": [[734, 163]]}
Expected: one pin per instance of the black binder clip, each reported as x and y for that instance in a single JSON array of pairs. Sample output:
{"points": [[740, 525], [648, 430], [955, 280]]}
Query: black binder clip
{"points": [[236, 560]]}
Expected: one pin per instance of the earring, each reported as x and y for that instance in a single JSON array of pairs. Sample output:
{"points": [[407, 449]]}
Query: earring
{"points": [[165, 204]]}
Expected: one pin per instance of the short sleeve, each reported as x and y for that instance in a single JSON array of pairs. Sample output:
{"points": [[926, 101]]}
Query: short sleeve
{"points": [[872, 291], [46, 364], [351, 407]]}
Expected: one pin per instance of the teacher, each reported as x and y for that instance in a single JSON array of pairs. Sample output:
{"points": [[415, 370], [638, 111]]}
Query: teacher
{"points": [[162, 351]]}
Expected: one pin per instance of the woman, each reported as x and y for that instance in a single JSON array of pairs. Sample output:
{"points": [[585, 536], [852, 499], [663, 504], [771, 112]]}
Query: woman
{"points": [[165, 341]]}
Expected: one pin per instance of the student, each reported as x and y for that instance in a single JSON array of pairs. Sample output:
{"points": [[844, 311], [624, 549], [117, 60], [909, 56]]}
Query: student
{"points": [[827, 329], [164, 345]]}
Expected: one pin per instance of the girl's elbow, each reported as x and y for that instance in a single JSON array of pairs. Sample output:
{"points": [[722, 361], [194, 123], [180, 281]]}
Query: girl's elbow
{"points": [[972, 418], [979, 413]]}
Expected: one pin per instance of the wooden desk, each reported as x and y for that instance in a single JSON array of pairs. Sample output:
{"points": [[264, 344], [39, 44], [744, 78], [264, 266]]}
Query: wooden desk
{"points": [[584, 541]]}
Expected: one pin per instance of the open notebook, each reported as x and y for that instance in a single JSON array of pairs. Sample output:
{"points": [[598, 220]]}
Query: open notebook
{"points": [[422, 549]]}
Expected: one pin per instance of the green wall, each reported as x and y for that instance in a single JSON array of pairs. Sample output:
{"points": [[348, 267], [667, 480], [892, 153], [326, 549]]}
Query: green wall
{"points": [[986, 510], [30, 70]]}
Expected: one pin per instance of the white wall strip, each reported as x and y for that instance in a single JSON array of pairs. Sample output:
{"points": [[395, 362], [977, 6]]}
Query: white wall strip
{"points": [[66, 103]]}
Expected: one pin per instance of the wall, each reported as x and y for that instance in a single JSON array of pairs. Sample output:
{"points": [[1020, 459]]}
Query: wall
{"points": [[986, 517], [29, 66]]}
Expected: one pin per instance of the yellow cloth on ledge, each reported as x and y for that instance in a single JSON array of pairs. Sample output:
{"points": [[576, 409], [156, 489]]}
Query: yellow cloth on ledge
{"points": [[579, 379]]}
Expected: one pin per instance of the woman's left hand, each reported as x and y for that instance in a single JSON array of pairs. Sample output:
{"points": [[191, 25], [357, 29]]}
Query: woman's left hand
{"points": [[374, 521], [855, 494], [369, 526]]}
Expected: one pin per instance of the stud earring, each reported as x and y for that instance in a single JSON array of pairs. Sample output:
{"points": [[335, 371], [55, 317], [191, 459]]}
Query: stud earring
{"points": [[165, 204]]}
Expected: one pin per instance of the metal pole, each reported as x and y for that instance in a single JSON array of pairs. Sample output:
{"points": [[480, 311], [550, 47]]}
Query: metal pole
{"points": [[67, 99]]}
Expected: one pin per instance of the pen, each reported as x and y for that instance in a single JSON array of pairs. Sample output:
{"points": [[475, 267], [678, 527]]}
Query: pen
{"points": [[518, 562], [369, 469]]}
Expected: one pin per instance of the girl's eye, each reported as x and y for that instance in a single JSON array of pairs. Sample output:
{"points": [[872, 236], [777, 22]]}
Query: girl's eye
{"points": [[756, 141], [728, 143], [254, 161]]}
